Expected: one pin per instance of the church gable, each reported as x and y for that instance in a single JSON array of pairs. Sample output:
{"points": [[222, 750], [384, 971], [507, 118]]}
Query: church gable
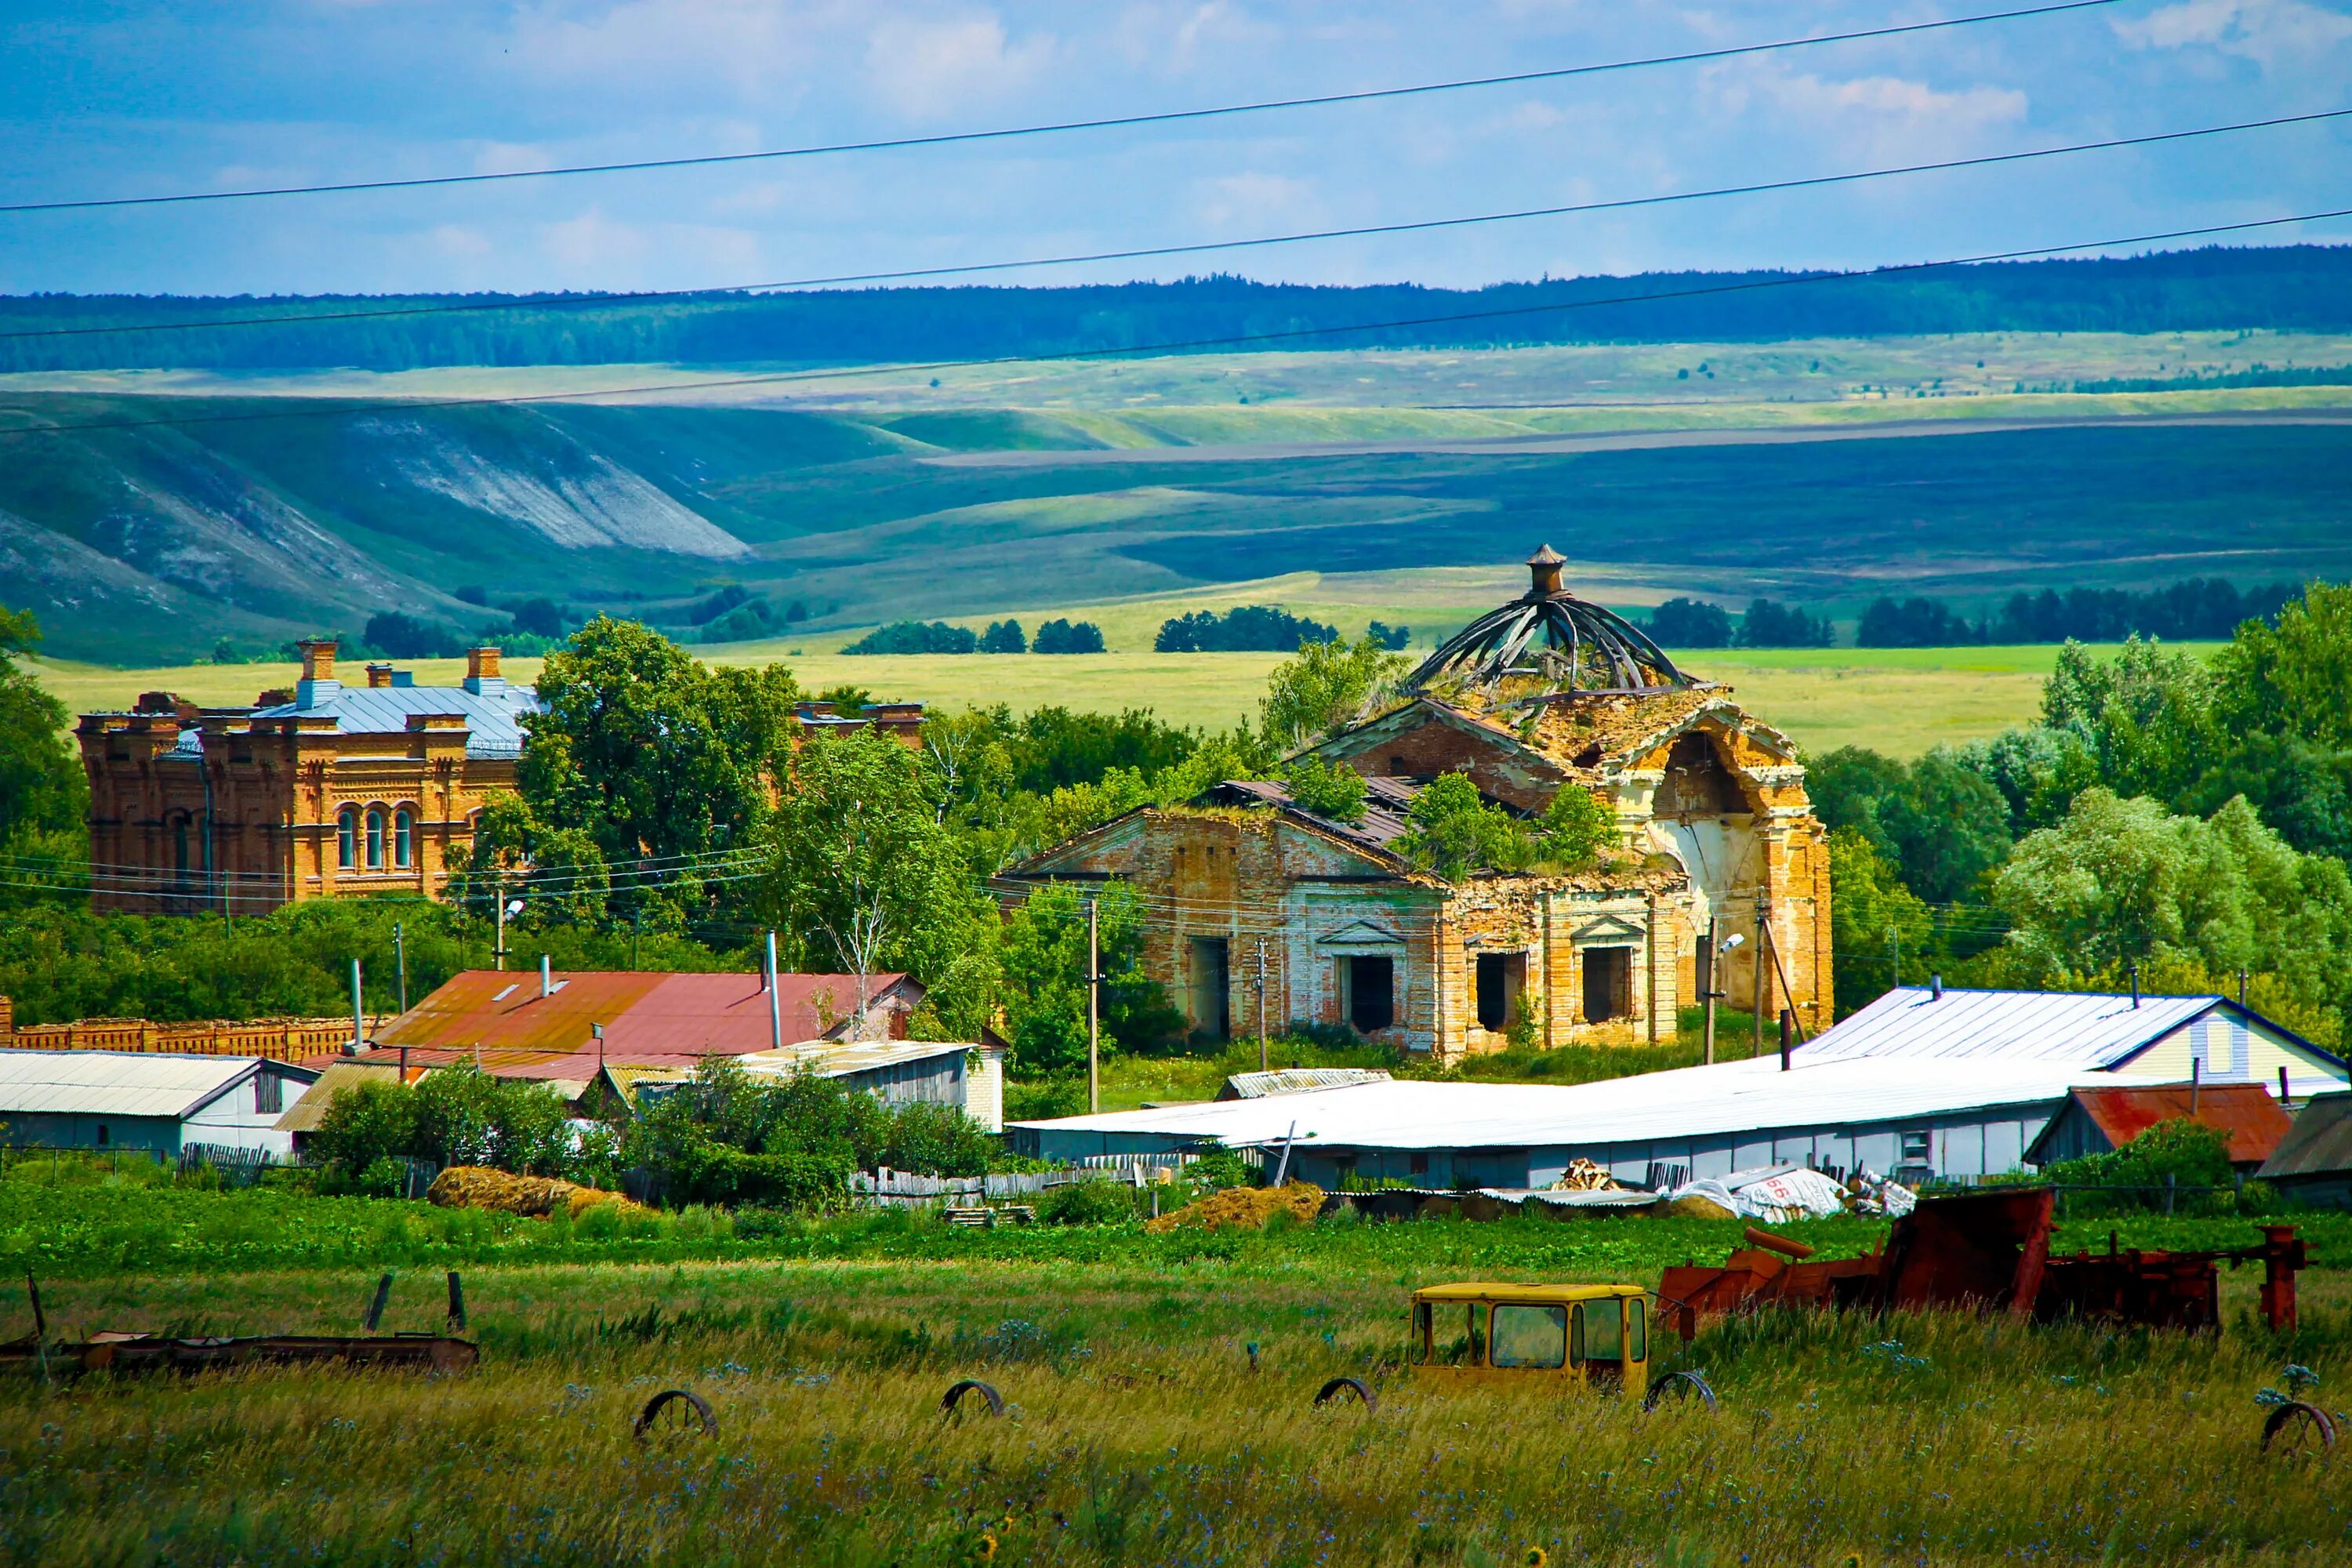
{"points": [[1426, 738]]}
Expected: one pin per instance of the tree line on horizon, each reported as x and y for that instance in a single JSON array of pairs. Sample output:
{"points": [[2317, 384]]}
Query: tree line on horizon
{"points": [[2305, 288], [2197, 609]]}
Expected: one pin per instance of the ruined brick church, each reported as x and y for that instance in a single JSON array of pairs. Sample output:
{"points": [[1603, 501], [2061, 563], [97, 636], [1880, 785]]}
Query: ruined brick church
{"points": [[1261, 911]]}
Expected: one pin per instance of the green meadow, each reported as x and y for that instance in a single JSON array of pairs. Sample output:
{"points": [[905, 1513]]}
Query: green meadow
{"points": [[1137, 1428]]}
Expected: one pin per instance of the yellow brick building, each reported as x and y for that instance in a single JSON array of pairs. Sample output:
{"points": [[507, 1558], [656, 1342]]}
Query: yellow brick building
{"points": [[1261, 911], [327, 790]]}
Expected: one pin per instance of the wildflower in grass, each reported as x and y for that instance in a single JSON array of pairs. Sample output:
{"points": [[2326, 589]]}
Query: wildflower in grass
{"points": [[1536, 1557], [986, 1550]]}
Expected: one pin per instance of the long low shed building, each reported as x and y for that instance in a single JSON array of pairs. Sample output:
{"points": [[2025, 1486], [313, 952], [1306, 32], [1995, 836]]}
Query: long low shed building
{"points": [[146, 1100], [1921, 1083]]}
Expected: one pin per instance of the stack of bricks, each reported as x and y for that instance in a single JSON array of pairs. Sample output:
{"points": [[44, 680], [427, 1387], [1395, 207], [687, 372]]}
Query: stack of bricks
{"points": [[279, 1039]]}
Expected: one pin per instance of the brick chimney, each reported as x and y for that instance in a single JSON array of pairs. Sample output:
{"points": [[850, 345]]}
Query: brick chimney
{"points": [[317, 683], [482, 675], [378, 676]]}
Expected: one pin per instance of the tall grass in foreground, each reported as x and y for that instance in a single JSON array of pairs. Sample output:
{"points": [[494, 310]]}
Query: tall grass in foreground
{"points": [[1138, 1434]]}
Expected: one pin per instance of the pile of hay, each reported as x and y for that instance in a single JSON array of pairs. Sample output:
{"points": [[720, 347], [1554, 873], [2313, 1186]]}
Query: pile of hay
{"points": [[1245, 1207], [480, 1187]]}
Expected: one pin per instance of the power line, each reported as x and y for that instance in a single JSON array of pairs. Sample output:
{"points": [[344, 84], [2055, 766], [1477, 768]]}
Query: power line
{"points": [[1168, 117], [1360, 231], [1237, 340]]}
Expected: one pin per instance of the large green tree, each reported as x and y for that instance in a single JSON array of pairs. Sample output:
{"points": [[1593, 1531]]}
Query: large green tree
{"points": [[863, 877], [44, 797], [2123, 882], [1327, 688]]}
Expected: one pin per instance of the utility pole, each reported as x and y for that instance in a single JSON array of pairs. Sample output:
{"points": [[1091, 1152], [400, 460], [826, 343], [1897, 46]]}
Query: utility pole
{"points": [[1094, 1008], [1763, 911], [498, 952], [400, 957], [1706, 987], [636, 929], [1261, 1004], [358, 1029], [1894, 958]]}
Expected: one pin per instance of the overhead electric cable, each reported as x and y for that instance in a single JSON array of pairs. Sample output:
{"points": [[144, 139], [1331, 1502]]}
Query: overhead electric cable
{"points": [[1181, 345], [1167, 117], [595, 301]]}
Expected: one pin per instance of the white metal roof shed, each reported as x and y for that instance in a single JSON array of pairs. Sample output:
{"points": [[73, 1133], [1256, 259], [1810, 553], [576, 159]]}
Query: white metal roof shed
{"points": [[2091, 1029], [121, 1083], [1730, 1097]]}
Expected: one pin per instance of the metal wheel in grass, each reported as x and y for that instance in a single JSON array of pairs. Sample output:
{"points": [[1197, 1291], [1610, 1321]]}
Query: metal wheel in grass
{"points": [[1680, 1388], [2295, 1430], [986, 1400], [675, 1414], [1339, 1388]]}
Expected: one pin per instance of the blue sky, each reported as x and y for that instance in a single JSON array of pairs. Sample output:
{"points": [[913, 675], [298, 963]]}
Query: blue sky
{"points": [[126, 98]]}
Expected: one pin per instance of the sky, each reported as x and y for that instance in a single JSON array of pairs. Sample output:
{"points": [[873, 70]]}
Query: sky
{"points": [[114, 99]]}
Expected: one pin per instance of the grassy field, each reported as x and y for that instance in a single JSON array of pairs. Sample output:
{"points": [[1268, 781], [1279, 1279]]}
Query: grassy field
{"points": [[1898, 701], [1135, 1430]]}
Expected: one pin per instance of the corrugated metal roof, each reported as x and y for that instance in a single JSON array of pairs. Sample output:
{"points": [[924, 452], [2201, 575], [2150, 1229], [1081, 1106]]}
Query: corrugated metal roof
{"points": [[117, 1083], [841, 1059], [2086, 1030], [305, 1114], [2124, 1111], [2318, 1145], [1732, 1097], [1297, 1080], [491, 716], [644, 1014]]}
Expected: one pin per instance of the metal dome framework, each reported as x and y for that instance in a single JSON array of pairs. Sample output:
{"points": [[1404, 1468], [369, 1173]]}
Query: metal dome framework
{"points": [[1550, 635]]}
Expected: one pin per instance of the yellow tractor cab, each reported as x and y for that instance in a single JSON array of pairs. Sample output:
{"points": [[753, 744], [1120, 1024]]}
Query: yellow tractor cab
{"points": [[1598, 1335]]}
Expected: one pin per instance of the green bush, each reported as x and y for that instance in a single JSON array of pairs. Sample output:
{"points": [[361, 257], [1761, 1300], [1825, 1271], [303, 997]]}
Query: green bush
{"points": [[2185, 1159], [1099, 1201]]}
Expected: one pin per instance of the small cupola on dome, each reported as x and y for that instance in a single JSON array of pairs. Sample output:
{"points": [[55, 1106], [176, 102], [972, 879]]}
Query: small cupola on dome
{"points": [[1550, 636]]}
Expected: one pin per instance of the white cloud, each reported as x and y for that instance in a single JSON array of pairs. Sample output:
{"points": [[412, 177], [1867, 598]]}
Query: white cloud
{"points": [[2270, 32], [1882, 115], [1174, 39], [1235, 205], [751, 46], [928, 69]]}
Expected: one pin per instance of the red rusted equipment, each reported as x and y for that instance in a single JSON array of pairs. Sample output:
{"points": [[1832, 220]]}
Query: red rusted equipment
{"points": [[1986, 1252]]}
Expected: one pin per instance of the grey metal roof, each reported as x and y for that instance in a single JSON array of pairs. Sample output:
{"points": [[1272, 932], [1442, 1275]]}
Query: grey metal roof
{"points": [[1297, 1081], [120, 1083], [2082, 1029], [2318, 1145], [491, 715], [1751, 1095]]}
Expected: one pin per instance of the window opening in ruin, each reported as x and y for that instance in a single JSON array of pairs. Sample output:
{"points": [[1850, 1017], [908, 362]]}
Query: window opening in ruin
{"points": [[404, 833], [1501, 977], [1211, 991], [1608, 984], [180, 844], [1398, 768], [1696, 782], [1371, 992], [347, 837]]}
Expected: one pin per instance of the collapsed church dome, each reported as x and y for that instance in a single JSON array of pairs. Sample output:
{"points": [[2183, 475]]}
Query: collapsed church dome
{"points": [[1549, 637]]}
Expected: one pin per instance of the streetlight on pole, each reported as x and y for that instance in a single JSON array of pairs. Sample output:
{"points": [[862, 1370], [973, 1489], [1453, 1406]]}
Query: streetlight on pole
{"points": [[1094, 1008]]}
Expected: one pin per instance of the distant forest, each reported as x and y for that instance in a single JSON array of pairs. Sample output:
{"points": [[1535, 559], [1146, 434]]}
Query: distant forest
{"points": [[2300, 288]]}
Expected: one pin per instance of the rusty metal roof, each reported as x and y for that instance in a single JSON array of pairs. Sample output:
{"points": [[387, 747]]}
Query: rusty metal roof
{"points": [[2246, 1110], [2318, 1145], [646, 1015]]}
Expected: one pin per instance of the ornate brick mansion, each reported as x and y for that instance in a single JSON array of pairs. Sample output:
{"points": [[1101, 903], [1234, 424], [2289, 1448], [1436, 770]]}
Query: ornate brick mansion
{"points": [[325, 790]]}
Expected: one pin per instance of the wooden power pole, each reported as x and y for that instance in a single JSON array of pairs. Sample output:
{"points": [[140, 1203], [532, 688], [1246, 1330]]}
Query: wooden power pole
{"points": [[1708, 992], [1261, 1004], [1094, 1009]]}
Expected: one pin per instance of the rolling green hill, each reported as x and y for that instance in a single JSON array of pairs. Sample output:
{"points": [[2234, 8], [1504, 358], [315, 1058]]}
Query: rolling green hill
{"points": [[1905, 465]]}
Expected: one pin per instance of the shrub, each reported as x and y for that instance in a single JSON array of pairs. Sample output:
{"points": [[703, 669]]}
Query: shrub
{"points": [[1096, 1200], [1328, 789]]}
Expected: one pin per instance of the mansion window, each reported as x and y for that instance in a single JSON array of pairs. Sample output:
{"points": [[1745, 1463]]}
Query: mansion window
{"points": [[375, 838], [347, 833], [404, 836]]}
